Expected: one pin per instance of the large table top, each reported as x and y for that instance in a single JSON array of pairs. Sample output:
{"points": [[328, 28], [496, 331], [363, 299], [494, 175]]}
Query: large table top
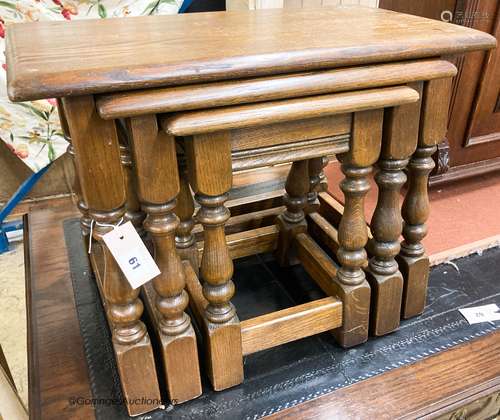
{"points": [[55, 59]]}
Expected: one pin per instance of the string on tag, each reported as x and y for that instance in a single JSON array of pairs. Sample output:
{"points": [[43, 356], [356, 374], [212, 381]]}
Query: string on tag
{"points": [[114, 226]]}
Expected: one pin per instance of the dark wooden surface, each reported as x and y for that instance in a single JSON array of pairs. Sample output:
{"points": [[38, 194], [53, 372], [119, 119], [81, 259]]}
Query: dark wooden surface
{"points": [[430, 387], [255, 115], [57, 367], [57, 370], [472, 141], [92, 56], [233, 92]]}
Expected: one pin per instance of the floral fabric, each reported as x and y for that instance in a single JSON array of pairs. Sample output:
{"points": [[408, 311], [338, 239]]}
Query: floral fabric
{"points": [[32, 130]]}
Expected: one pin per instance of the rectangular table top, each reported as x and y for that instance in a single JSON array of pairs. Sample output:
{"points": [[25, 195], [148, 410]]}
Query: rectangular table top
{"points": [[56, 59]]}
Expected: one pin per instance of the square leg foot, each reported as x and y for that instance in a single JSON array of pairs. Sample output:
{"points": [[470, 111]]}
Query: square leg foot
{"points": [[285, 253], [137, 371], [181, 366], [355, 316], [385, 311], [224, 354], [415, 273]]}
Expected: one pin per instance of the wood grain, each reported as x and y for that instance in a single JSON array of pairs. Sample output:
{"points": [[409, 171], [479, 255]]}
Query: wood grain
{"points": [[209, 163], [153, 152], [292, 220], [355, 298], [290, 132], [179, 354], [57, 369], [209, 95], [92, 56], [280, 327], [156, 162], [98, 159], [323, 232], [400, 136], [209, 167], [87, 132], [425, 388], [274, 155], [249, 242], [434, 116], [241, 116]]}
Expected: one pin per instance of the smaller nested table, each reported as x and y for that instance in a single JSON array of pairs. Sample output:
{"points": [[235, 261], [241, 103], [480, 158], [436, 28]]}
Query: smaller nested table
{"points": [[158, 106]]}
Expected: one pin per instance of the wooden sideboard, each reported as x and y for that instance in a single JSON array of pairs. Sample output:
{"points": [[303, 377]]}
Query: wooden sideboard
{"points": [[472, 145]]}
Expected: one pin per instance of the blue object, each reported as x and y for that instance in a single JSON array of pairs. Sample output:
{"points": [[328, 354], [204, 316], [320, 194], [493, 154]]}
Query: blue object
{"points": [[21, 192], [185, 5], [27, 185]]}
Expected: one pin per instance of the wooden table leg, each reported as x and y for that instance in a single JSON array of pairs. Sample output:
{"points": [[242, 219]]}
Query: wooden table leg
{"points": [[292, 221], [209, 165], [316, 176], [398, 144], [134, 212], [158, 186], [357, 164], [102, 182], [85, 219], [413, 262], [184, 238]]}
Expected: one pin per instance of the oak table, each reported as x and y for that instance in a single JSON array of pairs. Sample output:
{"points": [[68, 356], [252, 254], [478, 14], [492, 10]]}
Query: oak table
{"points": [[217, 93]]}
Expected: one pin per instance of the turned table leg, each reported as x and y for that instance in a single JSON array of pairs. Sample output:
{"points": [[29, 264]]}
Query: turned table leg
{"points": [[184, 238], [85, 219], [292, 221], [399, 142], [103, 188], [364, 149], [158, 186], [413, 262], [134, 212], [316, 182], [209, 165]]}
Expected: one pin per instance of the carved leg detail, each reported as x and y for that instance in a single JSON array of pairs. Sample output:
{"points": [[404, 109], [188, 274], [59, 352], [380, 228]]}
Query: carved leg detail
{"points": [[85, 219], [386, 226], [216, 264], [413, 262], [103, 188], [180, 355], [184, 238], [352, 256], [292, 221], [158, 186], [209, 165], [317, 180], [134, 212], [352, 229], [354, 290], [352, 235], [218, 288], [124, 307]]}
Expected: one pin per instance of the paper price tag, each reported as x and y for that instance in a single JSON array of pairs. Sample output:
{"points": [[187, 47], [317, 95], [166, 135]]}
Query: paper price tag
{"points": [[129, 251], [485, 313]]}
